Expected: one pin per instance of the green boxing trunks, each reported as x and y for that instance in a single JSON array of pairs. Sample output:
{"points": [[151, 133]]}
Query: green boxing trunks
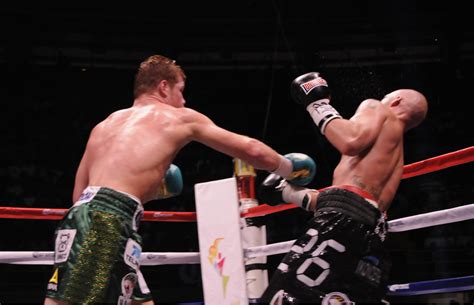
{"points": [[97, 250]]}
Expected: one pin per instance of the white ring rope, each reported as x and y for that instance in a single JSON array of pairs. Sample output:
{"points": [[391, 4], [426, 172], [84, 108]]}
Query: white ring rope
{"points": [[271, 249], [146, 258], [432, 219], [456, 214], [169, 258]]}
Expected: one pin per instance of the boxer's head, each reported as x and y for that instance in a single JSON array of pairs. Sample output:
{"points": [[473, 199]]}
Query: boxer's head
{"points": [[408, 105], [162, 76]]}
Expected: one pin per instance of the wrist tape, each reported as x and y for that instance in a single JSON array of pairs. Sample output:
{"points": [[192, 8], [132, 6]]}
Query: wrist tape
{"points": [[284, 168], [297, 195], [322, 113]]}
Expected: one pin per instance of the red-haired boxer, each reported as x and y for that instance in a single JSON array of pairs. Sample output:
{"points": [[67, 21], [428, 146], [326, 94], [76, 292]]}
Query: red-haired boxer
{"points": [[127, 163]]}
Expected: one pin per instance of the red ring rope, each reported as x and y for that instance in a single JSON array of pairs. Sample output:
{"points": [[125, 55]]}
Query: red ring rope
{"points": [[458, 157]]}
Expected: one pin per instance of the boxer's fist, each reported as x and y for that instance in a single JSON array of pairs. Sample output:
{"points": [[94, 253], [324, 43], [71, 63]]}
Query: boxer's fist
{"points": [[172, 183], [270, 191], [275, 190], [312, 91], [296, 168], [309, 88]]}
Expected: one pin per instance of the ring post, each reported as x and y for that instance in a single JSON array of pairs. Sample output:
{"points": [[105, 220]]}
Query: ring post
{"points": [[253, 229]]}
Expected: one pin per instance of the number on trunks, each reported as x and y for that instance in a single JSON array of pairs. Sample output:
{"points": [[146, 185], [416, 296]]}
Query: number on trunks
{"points": [[314, 259]]}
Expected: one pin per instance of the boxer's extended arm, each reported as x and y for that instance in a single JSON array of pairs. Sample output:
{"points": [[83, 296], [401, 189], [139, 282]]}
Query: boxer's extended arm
{"points": [[239, 146], [250, 150]]}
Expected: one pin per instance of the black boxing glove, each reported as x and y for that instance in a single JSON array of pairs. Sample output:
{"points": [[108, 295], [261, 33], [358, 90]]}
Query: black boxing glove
{"points": [[275, 190], [312, 91]]}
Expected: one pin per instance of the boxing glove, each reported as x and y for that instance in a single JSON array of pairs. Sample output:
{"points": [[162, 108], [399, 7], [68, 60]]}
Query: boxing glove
{"points": [[275, 190], [312, 91], [172, 183], [297, 168]]}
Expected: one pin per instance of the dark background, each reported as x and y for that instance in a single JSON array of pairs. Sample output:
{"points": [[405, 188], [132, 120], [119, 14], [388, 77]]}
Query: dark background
{"points": [[63, 70]]}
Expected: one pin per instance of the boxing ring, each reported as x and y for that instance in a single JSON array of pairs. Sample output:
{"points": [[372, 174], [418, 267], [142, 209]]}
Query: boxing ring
{"points": [[255, 249]]}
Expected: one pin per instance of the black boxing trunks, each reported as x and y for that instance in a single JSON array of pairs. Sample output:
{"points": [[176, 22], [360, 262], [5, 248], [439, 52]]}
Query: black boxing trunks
{"points": [[339, 258], [97, 250]]}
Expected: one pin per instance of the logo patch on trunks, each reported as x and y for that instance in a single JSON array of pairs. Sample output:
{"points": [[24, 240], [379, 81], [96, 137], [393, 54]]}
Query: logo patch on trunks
{"points": [[367, 268], [63, 244], [132, 254], [87, 194], [128, 284], [53, 281], [336, 298]]}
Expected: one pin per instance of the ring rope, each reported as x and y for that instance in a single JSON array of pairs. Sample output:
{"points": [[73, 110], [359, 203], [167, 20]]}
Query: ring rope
{"points": [[146, 258], [58, 214], [168, 258], [456, 214], [464, 212], [434, 286], [454, 158], [447, 285]]}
